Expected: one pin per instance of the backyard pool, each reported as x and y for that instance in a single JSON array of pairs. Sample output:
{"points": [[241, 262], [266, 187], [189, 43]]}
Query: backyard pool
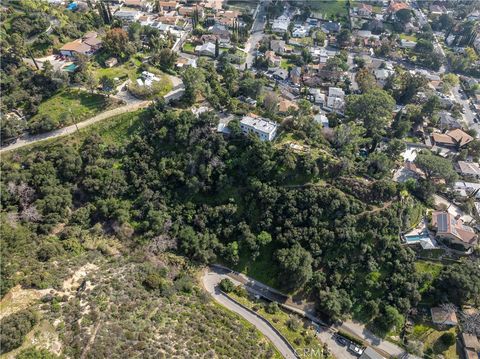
{"points": [[70, 68], [416, 238]]}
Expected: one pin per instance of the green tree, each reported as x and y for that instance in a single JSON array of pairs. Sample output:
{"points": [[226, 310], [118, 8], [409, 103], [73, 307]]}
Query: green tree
{"points": [[296, 262], [374, 109], [226, 285], [436, 167]]}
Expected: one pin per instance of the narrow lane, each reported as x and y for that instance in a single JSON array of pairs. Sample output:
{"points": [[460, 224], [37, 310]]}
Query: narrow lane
{"points": [[210, 281]]}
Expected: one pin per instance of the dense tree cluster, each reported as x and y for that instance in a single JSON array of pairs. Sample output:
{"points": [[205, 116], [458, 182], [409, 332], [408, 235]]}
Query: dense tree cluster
{"points": [[181, 186]]}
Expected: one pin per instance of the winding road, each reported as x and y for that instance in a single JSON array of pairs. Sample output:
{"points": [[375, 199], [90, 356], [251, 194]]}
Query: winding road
{"points": [[325, 334], [210, 281]]}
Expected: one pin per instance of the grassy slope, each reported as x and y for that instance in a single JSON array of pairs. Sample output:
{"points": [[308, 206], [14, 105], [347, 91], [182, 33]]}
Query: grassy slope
{"points": [[302, 339], [78, 105]]}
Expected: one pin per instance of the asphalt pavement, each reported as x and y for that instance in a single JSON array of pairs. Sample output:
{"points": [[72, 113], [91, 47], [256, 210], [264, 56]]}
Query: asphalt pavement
{"points": [[210, 282]]}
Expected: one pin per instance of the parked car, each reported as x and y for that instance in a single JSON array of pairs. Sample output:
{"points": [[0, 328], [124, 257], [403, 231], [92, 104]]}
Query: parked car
{"points": [[355, 349], [341, 340]]}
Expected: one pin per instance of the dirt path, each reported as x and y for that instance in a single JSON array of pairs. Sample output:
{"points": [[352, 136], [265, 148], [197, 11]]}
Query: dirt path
{"points": [[28, 140]]}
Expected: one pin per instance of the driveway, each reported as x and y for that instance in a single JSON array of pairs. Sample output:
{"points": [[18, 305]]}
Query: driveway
{"points": [[210, 281]]}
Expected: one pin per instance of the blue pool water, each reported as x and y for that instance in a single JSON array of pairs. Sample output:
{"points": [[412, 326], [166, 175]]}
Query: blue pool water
{"points": [[415, 238], [70, 68]]}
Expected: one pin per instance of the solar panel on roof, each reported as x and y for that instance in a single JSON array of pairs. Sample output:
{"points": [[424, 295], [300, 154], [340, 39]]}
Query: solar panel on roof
{"points": [[442, 222]]}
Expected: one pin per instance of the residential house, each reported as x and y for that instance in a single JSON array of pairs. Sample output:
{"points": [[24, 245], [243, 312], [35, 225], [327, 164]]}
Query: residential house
{"points": [[321, 119], [278, 46], [296, 75], [331, 27], [139, 4], [364, 9], [452, 139], [188, 11], [280, 24], [262, 127], [336, 99], [146, 20], [317, 96], [370, 353], [447, 121], [186, 62], [382, 75], [453, 230], [396, 6], [221, 32], [407, 44], [207, 49], [468, 169], [467, 189], [285, 105], [437, 9], [280, 74], [474, 16], [226, 18], [87, 45], [300, 31], [168, 5], [444, 316], [168, 19], [471, 346], [127, 15], [273, 59]]}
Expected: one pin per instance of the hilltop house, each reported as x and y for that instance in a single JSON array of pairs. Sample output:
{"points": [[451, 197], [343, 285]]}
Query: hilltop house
{"points": [[87, 45], [262, 127], [453, 230]]}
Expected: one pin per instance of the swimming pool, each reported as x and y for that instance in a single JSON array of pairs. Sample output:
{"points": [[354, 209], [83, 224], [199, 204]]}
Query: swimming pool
{"points": [[416, 238], [70, 68]]}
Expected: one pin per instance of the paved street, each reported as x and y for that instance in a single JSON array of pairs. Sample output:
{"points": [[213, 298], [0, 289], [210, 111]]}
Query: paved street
{"points": [[210, 282], [325, 334], [256, 33], [468, 114]]}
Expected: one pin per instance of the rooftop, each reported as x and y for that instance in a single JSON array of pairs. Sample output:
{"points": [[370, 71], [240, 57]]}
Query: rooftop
{"points": [[260, 124], [443, 316]]}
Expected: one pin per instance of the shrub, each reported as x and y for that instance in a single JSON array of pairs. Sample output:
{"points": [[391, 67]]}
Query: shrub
{"points": [[447, 339], [34, 353], [272, 308], [227, 285], [293, 324], [14, 328]]}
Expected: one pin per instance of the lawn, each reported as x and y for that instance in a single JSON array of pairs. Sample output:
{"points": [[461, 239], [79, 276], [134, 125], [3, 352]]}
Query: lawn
{"points": [[408, 37], [285, 64], [303, 338], [188, 47], [431, 269], [332, 9], [429, 336], [128, 69], [72, 105]]}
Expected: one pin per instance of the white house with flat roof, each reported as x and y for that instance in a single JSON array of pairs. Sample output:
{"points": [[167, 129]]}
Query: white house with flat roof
{"points": [[262, 127]]}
